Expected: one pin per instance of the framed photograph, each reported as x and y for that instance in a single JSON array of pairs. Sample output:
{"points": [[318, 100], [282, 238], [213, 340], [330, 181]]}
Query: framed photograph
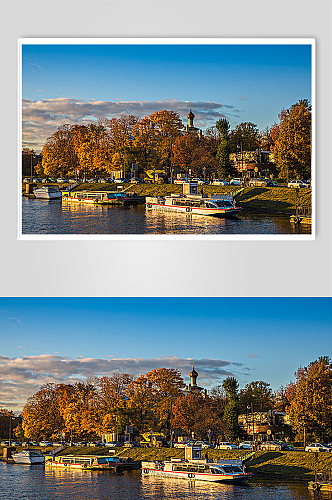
{"points": [[167, 138]]}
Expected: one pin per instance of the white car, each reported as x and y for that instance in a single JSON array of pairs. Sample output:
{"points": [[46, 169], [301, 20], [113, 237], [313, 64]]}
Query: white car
{"points": [[220, 182], [180, 181], [45, 443], [198, 180], [179, 445], [227, 446], [247, 445], [61, 180], [317, 447], [236, 181], [297, 183]]}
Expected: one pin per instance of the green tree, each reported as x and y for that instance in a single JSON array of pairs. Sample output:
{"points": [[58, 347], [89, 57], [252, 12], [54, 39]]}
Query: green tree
{"points": [[223, 150], [230, 422], [257, 393], [245, 134]]}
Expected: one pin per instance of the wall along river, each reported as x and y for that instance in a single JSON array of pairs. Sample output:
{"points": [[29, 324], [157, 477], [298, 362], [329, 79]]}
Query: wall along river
{"points": [[24, 482], [55, 217]]}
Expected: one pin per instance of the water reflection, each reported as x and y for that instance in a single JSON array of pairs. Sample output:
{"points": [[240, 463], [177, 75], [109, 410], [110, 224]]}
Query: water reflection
{"points": [[57, 217], [39, 483]]}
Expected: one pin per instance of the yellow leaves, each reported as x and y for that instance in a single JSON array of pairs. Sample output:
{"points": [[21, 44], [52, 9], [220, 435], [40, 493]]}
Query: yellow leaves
{"points": [[310, 396]]}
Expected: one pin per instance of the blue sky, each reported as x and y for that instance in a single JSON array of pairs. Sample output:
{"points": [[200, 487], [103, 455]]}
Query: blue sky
{"points": [[67, 339], [241, 82]]}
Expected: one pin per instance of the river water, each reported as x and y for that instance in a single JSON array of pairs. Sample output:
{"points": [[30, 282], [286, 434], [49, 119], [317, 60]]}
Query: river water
{"points": [[55, 217], [20, 482]]}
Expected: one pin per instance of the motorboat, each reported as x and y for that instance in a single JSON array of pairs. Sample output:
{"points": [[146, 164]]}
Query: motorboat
{"points": [[47, 192], [193, 467], [191, 203], [28, 457], [226, 471]]}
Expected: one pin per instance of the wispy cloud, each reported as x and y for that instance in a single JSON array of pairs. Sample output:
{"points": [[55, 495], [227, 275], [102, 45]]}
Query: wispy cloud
{"points": [[41, 118], [16, 320], [20, 377]]}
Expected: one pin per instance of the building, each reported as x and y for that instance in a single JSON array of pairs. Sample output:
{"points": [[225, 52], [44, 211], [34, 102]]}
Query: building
{"points": [[192, 386], [190, 128], [253, 163], [265, 425]]}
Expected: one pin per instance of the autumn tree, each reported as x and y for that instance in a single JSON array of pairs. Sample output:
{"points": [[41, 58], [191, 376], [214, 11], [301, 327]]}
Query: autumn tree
{"points": [[258, 394], [151, 397], [42, 418], [113, 397], [59, 156], [167, 127], [292, 146], [81, 410], [121, 132], [310, 398]]}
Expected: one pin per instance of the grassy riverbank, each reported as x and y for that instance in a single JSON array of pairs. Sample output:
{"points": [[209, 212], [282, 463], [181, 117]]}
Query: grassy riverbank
{"points": [[288, 464], [274, 200]]}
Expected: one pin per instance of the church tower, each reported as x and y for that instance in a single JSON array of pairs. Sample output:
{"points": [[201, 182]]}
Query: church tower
{"points": [[190, 128], [192, 386]]}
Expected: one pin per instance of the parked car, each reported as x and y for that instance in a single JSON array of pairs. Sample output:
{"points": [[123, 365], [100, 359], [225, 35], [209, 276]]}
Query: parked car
{"points": [[131, 444], [45, 443], [180, 181], [260, 182], [273, 446], [204, 444], [226, 446], [120, 181], [297, 183], [247, 445], [237, 181], [61, 180], [113, 444], [220, 182], [318, 447], [198, 180], [179, 445]]}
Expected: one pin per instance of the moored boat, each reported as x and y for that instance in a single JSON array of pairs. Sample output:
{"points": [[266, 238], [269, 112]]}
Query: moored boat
{"points": [[90, 462], [190, 202], [47, 192], [198, 469], [102, 197], [28, 457]]}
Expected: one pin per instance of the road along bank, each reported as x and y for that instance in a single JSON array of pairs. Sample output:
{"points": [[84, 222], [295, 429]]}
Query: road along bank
{"points": [[283, 464]]}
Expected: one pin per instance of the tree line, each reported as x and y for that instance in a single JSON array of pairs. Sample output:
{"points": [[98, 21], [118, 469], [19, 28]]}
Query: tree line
{"points": [[157, 401], [158, 141]]}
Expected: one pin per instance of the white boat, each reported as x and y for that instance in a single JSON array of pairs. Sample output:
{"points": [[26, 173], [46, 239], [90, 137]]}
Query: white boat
{"points": [[28, 457], [190, 202], [47, 192], [200, 470], [193, 467]]}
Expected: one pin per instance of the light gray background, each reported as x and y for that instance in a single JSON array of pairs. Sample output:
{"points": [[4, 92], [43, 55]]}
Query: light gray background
{"points": [[181, 268]]}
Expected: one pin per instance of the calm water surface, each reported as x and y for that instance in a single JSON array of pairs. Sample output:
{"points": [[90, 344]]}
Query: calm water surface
{"points": [[19, 482], [57, 217]]}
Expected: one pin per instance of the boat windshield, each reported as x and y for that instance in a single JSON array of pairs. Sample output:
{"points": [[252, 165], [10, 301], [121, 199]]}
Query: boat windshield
{"points": [[231, 469], [223, 203]]}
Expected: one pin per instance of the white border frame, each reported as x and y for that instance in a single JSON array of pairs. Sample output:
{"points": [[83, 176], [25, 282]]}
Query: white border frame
{"points": [[169, 41]]}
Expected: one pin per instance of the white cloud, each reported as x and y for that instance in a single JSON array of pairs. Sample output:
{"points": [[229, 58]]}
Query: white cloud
{"points": [[21, 377], [41, 118]]}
